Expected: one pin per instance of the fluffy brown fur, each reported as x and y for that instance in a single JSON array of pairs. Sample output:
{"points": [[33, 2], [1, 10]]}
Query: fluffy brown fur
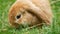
{"points": [[31, 12]]}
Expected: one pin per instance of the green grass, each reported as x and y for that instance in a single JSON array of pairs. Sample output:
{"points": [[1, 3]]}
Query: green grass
{"points": [[4, 24]]}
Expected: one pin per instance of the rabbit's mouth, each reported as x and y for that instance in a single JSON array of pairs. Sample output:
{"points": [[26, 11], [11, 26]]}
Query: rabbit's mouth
{"points": [[23, 26]]}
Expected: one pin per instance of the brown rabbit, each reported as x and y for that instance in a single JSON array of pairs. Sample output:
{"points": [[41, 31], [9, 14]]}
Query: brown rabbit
{"points": [[30, 12]]}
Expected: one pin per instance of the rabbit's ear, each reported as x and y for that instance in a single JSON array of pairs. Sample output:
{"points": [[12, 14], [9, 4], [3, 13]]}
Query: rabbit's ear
{"points": [[42, 10]]}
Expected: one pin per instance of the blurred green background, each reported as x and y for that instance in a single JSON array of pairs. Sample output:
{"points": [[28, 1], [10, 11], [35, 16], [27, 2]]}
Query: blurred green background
{"points": [[4, 25]]}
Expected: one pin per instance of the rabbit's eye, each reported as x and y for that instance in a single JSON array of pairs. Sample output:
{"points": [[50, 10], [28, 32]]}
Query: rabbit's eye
{"points": [[18, 16]]}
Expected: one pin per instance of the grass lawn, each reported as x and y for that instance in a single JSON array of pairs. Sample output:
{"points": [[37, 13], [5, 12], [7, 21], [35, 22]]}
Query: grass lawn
{"points": [[4, 25]]}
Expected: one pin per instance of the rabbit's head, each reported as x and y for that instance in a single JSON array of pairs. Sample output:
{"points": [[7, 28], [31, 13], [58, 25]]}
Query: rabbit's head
{"points": [[20, 16]]}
